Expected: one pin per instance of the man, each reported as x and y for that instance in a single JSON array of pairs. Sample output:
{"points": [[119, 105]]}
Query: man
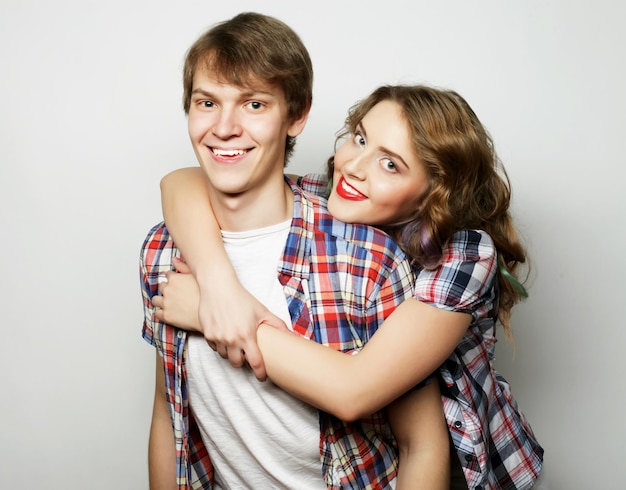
{"points": [[248, 90]]}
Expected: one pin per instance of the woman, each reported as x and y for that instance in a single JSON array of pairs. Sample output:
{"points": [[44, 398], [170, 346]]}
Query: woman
{"points": [[419, 164]]}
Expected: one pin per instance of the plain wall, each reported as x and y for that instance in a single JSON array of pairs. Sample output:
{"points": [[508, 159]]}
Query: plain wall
{"points": [[91, 118]]}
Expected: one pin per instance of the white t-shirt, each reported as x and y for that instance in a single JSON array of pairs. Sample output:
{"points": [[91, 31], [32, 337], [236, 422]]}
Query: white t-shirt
{"points": [[257, 435]]}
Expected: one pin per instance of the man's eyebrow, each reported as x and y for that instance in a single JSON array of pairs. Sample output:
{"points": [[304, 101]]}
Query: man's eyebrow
{"points": [[249, 92], [200, 91], [252, 91]]}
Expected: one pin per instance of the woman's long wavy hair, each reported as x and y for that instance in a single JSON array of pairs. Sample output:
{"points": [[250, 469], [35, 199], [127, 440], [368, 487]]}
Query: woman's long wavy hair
{"points": [[468, 186]]}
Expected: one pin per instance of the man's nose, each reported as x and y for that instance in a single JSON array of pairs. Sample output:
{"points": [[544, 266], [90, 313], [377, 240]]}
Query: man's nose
{"points": [[228, 124]]}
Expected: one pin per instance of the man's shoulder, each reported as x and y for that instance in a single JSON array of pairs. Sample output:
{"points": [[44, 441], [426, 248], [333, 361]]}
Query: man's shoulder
{"points": [[158, 247], [157, 237]]}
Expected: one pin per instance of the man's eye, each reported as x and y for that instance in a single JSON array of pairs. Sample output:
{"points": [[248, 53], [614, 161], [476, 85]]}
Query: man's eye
{"points": [[206, 103], [256, 105]]}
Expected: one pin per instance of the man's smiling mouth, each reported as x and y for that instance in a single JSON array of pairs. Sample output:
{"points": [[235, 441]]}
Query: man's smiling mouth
{"points": [[228, 153]]}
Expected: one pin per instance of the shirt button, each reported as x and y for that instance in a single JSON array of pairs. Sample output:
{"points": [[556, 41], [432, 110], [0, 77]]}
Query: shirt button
{"points": [[458, 424], [468, 458], [479, 487], [179, 335]]}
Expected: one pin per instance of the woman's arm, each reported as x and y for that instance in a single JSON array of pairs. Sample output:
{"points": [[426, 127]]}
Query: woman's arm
{"points": [[411, 344], [416, 418], [228, 314]]}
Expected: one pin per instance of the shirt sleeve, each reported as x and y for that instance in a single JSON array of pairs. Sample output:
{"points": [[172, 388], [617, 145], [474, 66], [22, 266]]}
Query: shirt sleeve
{"points": [[147, 332], [155, 260], [465, 280]]}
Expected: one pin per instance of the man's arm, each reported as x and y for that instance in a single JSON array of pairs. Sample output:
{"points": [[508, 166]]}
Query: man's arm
{"points": [[419, 425], [161, 449]]}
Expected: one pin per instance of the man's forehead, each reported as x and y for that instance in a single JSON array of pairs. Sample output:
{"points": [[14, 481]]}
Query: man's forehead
{"points": [[249, 82]]}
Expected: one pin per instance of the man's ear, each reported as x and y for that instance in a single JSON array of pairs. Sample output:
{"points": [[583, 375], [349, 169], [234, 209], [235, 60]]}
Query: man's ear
{"points": [[297, 126]]}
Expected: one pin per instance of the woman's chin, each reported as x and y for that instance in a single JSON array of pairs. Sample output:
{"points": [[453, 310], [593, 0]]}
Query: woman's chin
{"points": [[344, 211]]}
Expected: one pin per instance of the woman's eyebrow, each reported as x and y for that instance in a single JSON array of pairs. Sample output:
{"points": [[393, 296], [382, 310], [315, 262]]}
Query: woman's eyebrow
{"points": [[361, 129], [396, 156]]}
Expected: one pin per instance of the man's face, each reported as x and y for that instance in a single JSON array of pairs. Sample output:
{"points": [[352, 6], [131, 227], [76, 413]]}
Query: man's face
{"points": [[238, 133]]}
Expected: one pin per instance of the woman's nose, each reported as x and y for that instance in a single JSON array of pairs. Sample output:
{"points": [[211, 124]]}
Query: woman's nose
{"points": [[356, 167]]}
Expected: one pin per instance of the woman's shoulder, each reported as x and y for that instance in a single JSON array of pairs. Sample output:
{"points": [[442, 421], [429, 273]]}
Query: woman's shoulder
{"points": [[465, 276], [313, 183], [469, 245], [470, 253]]}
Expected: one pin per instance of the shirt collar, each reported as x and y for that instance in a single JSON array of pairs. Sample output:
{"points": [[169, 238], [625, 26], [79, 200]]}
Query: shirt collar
{"points": [[295, 259]]}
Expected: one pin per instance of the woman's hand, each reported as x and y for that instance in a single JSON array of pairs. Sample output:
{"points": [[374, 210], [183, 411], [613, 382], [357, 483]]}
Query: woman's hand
{"points": [[227, 315], [178, 302]]}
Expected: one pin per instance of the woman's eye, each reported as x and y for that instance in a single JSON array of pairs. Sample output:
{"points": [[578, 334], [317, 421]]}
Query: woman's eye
{"points": [[389, 165], [358, 139]]}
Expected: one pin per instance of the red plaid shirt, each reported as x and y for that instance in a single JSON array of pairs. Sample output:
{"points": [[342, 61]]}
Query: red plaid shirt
{"points": [[495, 444], [337, 312]]}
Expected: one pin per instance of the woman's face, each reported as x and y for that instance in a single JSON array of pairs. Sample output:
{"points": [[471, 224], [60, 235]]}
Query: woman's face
{"points": [[378, 178]]}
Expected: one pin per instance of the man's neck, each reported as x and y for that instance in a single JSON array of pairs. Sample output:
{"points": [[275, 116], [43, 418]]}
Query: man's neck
{"points": [[255, 209]]}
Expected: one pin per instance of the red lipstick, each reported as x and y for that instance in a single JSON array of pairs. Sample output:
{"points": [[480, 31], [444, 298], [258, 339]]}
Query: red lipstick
{"points": [[346, 191]]}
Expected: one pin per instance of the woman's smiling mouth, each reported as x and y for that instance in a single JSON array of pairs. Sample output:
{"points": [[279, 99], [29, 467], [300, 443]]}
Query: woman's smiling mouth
{"points": [[346, 191]]}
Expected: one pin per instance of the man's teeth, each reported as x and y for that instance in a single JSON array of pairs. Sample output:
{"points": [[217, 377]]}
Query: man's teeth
{"points": [[228, 153]]}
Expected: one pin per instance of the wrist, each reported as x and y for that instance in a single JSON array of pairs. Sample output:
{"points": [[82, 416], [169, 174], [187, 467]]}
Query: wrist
{"points": [[208, 277]]}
